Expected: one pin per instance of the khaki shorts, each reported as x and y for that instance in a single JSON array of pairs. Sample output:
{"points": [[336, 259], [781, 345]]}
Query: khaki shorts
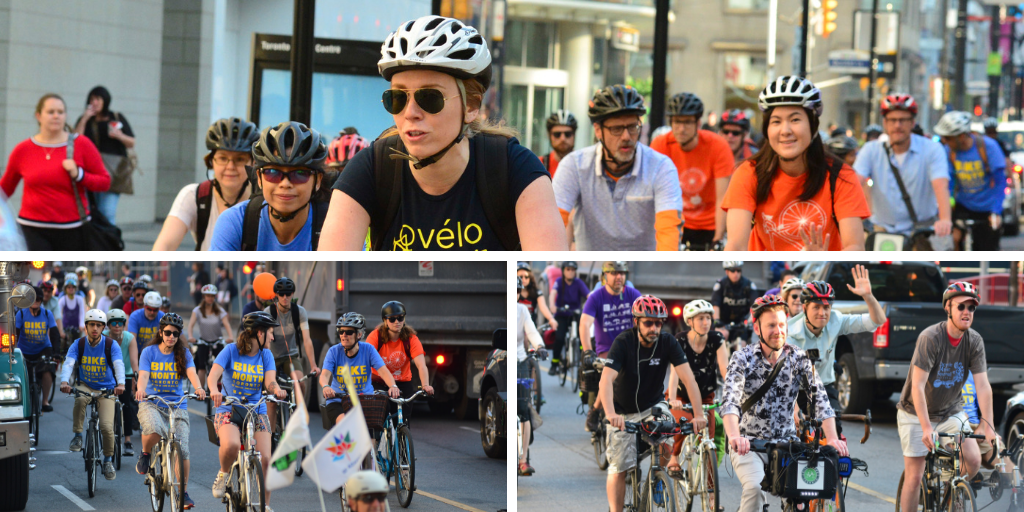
{"points": [[983, 445], [621, 451], [911, 431], [284, 365]]}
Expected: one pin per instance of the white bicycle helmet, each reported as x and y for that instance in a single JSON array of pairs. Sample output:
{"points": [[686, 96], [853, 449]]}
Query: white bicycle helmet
{"points": [[116, 314], [95, 315], [794, 283], [697, 307], [152, 299], [728, 265], [71, 281], [145, 278], [791, 90], [210, 289], [953, 123], [365, 482], [438, 43], [81, 270], [113, 282]]}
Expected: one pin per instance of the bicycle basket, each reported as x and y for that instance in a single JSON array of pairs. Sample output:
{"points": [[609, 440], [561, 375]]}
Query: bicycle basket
{"points": [[790, 474], [211, 429], [375, 410]]}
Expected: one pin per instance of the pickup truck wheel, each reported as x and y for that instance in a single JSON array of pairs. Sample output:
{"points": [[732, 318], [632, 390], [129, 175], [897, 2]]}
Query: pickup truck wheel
{"points": [[854, 394], [490, 425], [1015, 429], [14, 471]]}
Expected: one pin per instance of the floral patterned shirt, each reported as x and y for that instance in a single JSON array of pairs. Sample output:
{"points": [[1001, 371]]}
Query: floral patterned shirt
{"points": [[771, 418]]}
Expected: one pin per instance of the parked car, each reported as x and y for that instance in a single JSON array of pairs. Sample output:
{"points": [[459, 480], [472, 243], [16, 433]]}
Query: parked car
{"points": [[494, 397]]}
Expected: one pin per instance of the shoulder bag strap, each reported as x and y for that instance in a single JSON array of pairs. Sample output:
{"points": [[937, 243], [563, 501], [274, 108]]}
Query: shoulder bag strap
{"points": [[74, 184], [763, 390], [251, 224], [833, 176], [204, 202], [492, 182], [899, 181], [388, 183]]}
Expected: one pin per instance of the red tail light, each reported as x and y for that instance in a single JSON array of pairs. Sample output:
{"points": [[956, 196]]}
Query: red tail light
{"points": [[676, 311], [440, 359], [7, 343], [881, 337], [1018, 168], [341, 285]]}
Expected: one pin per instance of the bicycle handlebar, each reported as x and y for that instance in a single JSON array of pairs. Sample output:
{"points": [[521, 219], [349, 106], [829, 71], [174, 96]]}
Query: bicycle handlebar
{"points": [[230, 400], [657, 428], [957, 437], [169, 404], [866, 418], [106, 393], [218, 341], [404, 401], [706, 407], [290, 381]]}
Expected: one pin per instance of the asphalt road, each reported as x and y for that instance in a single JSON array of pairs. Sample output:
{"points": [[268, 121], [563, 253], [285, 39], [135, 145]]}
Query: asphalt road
{"points": [[452, 471], [567, 477]]}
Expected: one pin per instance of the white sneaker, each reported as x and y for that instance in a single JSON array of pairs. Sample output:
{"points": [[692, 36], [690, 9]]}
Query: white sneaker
{"points": [[220, 484]]}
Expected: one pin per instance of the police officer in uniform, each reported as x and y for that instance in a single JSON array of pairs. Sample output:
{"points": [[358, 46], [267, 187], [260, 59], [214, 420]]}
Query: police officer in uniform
{"points": [[732, 297]]}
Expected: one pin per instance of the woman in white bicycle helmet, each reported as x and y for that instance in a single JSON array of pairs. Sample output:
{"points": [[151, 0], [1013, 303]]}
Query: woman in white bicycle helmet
{"points": [[705, 350], [113, 289], [439, 69], [213, 324], [793, 195], [790, 293]]}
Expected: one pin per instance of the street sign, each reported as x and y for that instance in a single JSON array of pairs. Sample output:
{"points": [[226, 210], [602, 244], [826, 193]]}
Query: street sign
{"points": [[854, 62], [977, 87], [426, 269]]}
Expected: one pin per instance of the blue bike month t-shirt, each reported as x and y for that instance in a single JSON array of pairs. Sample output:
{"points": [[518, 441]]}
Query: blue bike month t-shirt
{"points": [[359, 368], [163, 374], [227, 233], [35, 330], [144, 329], [243, 375], [971, 400], [970, 185], [93, 370]]}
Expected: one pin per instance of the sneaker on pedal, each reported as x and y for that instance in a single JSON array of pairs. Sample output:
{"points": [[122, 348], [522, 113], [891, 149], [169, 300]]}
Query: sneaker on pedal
{"points": [[47, 408], [108, 470], [128, 449], [142, 467], [525, 470], [188, 503], [76, 444], [220, 485]]}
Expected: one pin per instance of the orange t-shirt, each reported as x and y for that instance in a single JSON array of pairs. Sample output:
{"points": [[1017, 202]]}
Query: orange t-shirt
{"points": [[393, 354], [777, 221], [698, 170], [550, 163]]}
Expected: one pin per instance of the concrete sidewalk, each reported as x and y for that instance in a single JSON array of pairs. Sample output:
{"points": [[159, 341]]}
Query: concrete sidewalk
{"points": [[140, 236]]}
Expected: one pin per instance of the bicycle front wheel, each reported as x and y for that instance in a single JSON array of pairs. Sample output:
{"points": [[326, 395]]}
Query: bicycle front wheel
{"points": [[661, 494], [298, 461], [118, 435], [707, 481], [631, 500], [961, 498], [405, 472], [233, 490], [90, 461], [176, 477], [156, 480], [922, 497], [535, 394], [254, 490], [601, 446]]}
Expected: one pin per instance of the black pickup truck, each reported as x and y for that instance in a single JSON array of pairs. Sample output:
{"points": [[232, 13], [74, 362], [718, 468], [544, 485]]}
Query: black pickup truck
{"points": [[876, 364]]}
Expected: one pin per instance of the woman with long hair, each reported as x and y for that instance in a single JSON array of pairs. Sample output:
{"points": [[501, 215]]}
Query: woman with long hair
{"points": [[400, 348], [49, 213], [532, 296], [164, 364], [793, 195], [113, 290], [252, 370], [213, 323]]}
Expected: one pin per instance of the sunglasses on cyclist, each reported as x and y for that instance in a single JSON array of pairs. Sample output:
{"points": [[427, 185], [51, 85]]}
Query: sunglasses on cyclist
{"points": [[346, 332], [652, 323], [152, 310], [174, 334], [562, 135], [284, 295], [396, 318], [296, 177], [429, 100], [734, 133], [116, 323], [370, 498], [126, 287], [968, 307]]}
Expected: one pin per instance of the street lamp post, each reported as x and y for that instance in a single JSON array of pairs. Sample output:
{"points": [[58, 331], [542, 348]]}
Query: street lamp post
{"points": [[302, 61], [657, 116]]}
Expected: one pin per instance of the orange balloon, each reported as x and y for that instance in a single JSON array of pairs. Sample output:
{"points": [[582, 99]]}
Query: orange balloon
{"points": [[263, 285]]}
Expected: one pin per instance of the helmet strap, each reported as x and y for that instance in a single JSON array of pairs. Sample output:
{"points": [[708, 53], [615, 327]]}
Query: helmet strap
{"points": [[241, 192], [607, 158], [285, 217], [418, 163]]}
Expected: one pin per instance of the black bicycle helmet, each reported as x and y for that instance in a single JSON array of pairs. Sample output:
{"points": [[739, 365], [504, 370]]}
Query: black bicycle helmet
{"points": [[258, 320], [173, 320], [284, 286], [562, 118], [165, 302], [351, 319], [232, 134], [685, 104], [615, 100], [522, 265], [570, 264], [391, 308], [289, 143], [140, 285], [842, 145]]}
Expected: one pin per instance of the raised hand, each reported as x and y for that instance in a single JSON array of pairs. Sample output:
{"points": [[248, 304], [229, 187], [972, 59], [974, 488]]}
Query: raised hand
{"points": [[862, 285]]}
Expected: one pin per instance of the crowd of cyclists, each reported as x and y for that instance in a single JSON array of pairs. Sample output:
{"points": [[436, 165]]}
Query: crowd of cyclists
{"points": [[761, 384], [138, 349], [446, 178]]}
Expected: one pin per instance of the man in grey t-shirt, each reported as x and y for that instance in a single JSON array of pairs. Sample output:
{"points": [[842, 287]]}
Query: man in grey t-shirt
{"points": [[285, 343], [932, 400]]}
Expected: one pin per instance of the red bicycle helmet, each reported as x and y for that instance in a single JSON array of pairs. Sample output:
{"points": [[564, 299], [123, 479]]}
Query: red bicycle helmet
{"points": [[343, 148], [898, 102], [958, 289], [649, 306], [818, 291], [763, 303], [736, 117]]}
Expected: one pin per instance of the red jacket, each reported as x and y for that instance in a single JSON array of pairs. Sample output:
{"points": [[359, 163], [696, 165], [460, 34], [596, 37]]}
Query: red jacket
{"points": [[47, 199]]}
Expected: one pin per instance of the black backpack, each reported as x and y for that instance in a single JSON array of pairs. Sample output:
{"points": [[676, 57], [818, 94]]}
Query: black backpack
{"points": [[108, 342], [492, 183], [204, 203], [251, 223]]}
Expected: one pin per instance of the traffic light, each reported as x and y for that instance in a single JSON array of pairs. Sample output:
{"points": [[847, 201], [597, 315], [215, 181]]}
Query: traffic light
{"points": [[248, 267], [38, 264], [828, 17]]}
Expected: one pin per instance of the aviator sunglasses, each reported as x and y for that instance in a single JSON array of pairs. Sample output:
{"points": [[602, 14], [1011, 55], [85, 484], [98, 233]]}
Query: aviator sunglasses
{"points": [[429, 100]]}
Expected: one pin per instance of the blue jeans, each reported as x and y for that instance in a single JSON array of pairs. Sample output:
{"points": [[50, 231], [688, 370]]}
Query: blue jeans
{"points": [[106, 203]]}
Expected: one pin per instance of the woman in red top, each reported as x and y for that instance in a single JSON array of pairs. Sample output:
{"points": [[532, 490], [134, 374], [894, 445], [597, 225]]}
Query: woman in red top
{"points": [[398, 346], [781, 199], [49, 213]]}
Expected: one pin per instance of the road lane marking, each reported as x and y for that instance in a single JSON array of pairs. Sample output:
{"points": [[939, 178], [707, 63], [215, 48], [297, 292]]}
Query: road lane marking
{"points": [[447, 501], [74, 499], [470, 429], [870, 492]]}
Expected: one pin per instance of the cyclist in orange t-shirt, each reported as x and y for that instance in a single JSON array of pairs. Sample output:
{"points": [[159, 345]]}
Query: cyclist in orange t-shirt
{"points": [[562, 135], [704, 162], [399, 347], [795, 209]]}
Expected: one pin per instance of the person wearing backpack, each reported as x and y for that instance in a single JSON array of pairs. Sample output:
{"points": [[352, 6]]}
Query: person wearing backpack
{"points": [[977, 172], [443, 178], [198, 205], [792, 195], [288, 212], [101, 367]]}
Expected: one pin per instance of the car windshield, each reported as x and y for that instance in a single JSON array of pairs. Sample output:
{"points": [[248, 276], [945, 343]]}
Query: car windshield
{"points": [[1015, 138], [892, 282]]}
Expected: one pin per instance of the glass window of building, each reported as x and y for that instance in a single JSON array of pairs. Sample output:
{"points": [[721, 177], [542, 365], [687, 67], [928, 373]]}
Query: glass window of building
{"points": [[747, 5], [745, 76], [529, 44]]}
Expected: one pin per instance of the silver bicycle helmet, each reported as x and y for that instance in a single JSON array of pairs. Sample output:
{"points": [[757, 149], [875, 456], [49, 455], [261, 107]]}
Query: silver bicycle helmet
{"points": [[953, 123], [438, 43], [791, 90], [697, 307]]}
